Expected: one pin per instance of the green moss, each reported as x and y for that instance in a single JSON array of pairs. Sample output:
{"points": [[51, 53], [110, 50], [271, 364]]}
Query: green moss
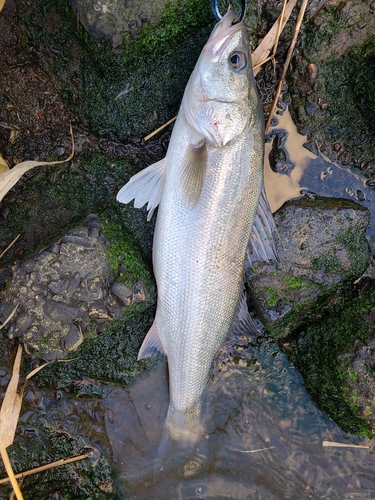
{"points": [[317, 354], [272, 297], [294, 283], [326, 262]]}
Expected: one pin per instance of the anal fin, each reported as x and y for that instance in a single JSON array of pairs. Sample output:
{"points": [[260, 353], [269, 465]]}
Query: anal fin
{"points": [[151, 345]]}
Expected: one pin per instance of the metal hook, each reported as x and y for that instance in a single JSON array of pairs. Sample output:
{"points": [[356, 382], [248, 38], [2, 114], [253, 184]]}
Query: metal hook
{"points": [[215, 10]]}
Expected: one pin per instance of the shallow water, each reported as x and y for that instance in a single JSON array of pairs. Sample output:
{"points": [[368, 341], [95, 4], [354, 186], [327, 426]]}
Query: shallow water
{"points": [[264, 436]]}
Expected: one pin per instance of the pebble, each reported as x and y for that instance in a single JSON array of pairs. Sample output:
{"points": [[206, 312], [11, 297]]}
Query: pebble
{"points": [[74, 339], [60, 311], [123, 294]]}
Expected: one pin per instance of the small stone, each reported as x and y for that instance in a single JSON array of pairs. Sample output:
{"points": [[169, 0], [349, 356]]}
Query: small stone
{"points": [[139, 291], [310, 108], [55, 249], [57, 287], [81, 231], [35, 276], [312, 71], [99, 312], [29, 265], [29, 304], [94, 232], [73, 282], [75, 240], [123, 294], [60, 311], [73, 339], [35, 287], [312, 147], [65, 250], [24, 322]]}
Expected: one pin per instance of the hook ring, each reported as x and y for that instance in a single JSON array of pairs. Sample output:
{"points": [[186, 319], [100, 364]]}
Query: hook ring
{"points": [[219, 17]]}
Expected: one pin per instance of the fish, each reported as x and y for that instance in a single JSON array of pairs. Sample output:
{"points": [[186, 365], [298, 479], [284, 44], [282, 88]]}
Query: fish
{"points": [[213, 216]]}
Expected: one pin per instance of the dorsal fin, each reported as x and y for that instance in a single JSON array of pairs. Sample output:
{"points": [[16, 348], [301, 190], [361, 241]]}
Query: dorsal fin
{"points": [[145, 187], [193, 174], [261, 246]]}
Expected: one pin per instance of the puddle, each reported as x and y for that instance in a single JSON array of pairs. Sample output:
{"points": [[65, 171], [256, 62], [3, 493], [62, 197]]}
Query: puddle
{"points": [[305, 171], [264, 437]]}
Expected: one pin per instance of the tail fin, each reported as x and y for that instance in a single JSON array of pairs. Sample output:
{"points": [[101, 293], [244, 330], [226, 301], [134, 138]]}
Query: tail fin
{"points": [[181, 450]]}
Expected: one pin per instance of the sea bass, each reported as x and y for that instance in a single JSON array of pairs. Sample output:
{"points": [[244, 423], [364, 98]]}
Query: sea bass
{"points": [[208, 189]]}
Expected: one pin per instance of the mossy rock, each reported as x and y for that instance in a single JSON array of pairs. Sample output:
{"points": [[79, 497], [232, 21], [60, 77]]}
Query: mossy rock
{"points": [[336, 356], [334, 103], [322, 248]]}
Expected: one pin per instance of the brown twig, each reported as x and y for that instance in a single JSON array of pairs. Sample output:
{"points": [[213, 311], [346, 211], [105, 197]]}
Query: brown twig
{"points": [[287, 62], [159, 129], [10, 245], [334, 444], [42, 468]]}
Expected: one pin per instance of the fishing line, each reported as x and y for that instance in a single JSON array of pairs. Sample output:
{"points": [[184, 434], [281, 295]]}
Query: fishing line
{"points": [[215, 10]]}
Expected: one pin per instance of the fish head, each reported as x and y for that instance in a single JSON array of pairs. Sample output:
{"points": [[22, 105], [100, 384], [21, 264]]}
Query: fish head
{"points": [[218, 98]]}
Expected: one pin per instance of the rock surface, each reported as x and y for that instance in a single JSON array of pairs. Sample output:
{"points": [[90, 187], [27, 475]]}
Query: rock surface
{"points": [[321, 245], [65, 291], [115, 18]]}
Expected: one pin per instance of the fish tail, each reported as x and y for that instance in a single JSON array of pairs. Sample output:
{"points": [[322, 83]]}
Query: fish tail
{"points": [[181, 449]]}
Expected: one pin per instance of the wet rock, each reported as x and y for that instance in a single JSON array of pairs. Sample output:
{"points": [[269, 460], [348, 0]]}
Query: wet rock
{"points": [[321, 244], [73, 339], [60, 311], [123, 294], [111, 19], [66, 290]]}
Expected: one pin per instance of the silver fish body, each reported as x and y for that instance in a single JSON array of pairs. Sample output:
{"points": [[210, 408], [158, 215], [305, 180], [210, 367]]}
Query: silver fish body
{"points": [[207, 189]]}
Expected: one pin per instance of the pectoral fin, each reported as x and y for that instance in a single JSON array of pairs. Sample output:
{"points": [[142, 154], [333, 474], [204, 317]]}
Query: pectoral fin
{"points": [[145, 187], [151, 345], [261, 245], [193, 174]]}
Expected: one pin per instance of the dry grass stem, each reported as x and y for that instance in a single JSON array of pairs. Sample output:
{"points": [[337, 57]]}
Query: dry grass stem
{"points": [[334, 444], [260, 449], [9, 246], [11, 177], [42, 468], [287, 62], [2, 2], [9, 317], [279, 28], [159, 129]]}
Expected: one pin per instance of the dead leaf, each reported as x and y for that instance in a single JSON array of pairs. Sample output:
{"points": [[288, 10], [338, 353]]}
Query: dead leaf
{"points": [[11, 407], [2, 2], [11, 177], [10, 411], [3, 165], [263, 50]]}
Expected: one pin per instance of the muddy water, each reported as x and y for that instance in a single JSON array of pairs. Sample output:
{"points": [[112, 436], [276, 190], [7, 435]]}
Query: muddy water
{"points": [[304, 171]]}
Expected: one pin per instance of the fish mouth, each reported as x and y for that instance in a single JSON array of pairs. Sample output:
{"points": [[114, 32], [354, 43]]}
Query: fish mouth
{"points": [[222, 32]]}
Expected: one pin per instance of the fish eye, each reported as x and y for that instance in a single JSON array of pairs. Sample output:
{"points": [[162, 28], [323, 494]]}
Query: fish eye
{"points": [[237, 60]]}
